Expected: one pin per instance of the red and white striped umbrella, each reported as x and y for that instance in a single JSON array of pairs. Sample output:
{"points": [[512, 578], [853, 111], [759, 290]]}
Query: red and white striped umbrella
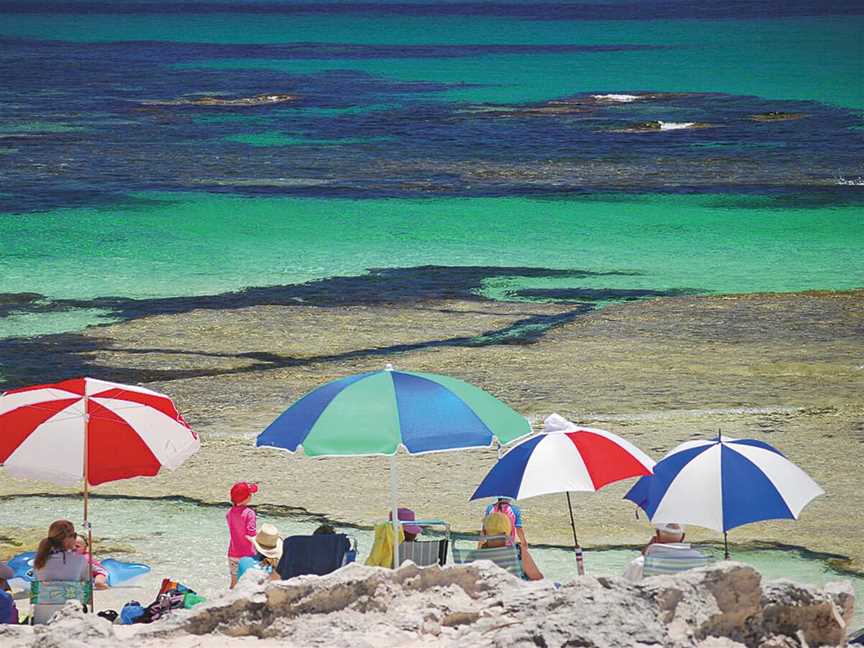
{"points": [[566, 457], [91, 430]]}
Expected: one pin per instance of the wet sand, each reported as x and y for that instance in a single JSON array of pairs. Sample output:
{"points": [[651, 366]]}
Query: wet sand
{"points": [[786, 368]]}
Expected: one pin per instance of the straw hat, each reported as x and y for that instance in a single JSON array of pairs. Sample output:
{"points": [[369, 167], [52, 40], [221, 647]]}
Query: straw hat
{"points": [[268, 542]]}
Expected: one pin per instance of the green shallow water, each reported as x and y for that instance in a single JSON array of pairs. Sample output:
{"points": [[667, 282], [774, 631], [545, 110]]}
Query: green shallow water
{"points": [[188, 542], [196, 244]]}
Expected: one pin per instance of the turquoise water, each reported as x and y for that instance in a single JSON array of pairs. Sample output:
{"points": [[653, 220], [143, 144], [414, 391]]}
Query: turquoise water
{"points": [[195, 244], [188, 542]]}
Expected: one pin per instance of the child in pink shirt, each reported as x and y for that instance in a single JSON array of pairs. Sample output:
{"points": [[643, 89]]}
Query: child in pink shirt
{"points": [[241, 526]]}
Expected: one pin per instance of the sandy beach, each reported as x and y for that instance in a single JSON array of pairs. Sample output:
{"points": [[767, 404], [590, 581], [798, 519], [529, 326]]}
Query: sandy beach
{"points": [[786, 368]]}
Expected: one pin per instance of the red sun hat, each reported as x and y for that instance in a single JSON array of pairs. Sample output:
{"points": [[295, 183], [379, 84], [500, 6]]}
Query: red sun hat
{"points": [[241, 491]]}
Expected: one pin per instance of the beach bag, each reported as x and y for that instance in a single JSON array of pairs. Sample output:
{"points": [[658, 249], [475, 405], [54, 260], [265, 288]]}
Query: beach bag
{"points": [[131, 613]]}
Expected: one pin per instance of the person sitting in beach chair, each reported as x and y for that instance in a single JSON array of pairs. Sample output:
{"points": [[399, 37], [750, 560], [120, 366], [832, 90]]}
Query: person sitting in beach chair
{"points": [[321, 553], [61, 574], [495, 544], [665, 553], [269, 547], [508, 507]]}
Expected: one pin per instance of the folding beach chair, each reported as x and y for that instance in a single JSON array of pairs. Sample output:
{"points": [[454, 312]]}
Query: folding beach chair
{"points": [[46, 597], [506, 557], [424, 553], [315, 554], [672, 558]]}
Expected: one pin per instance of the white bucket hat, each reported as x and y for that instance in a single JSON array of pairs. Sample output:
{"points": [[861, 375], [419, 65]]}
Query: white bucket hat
{"points": [[268, 542], [670, 527]]}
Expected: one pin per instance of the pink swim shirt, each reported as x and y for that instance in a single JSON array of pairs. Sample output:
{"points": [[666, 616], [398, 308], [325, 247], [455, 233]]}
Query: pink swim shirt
{"points": [[241, 525]]}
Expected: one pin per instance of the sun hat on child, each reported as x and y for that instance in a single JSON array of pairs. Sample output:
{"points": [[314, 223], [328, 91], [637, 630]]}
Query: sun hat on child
{"points": [[268, 542], [407, 515], [241, 491]]}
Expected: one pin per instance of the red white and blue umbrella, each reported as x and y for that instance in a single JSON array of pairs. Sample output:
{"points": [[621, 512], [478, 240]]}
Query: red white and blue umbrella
{"points": [[564, 458], [723, 484]]}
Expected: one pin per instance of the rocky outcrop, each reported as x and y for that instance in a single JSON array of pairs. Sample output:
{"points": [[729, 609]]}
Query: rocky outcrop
{"points": [[481, 605], [773, 116], [257, 100]]}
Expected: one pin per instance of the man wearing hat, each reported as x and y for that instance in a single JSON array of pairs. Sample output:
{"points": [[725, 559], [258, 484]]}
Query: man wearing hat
{"points": [[667, 536]]}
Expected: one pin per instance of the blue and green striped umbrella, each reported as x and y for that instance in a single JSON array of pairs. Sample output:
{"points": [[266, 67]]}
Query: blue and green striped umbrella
{"points": [[376, 412]]}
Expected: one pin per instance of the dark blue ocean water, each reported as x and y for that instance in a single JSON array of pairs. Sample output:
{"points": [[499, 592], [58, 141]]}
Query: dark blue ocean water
{"points": [[427, 99]]}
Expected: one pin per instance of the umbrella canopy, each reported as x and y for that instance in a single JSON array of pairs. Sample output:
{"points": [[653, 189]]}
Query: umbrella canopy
{"points": [[565, 457], [92, 430], [723, 484], [379, 411]]}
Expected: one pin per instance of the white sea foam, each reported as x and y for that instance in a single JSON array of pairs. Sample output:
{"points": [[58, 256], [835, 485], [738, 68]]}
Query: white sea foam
{"points": [[850, 182], [616, 98], [675, 125]]}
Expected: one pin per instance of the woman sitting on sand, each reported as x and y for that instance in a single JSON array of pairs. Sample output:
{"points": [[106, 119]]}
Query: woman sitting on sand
{"points": [[100, 574], [268, 544], [56, 560]]}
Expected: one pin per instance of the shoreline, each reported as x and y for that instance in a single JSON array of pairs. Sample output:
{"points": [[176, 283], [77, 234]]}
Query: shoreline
{"points": [[835, 561]]}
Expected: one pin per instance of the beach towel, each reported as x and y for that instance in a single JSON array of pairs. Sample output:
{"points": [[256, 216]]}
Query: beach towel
{"points": [[381, 554], [315, 554]]}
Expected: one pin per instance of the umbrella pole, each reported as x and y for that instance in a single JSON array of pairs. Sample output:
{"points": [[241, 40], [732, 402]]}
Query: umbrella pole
{"points": [[394, 509], [580, 565], [90, 604], [726, 545]]}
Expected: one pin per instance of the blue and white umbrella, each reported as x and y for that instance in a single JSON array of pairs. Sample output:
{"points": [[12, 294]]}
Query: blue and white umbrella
{"points": [[723, 484]]}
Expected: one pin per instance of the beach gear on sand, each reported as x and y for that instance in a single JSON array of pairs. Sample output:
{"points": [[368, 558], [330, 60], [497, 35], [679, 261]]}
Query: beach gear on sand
{"points": [[722, 484], [382, 552], [49, 596], [563, 458], [93, 431], [313, 554], [378, 412], [172, 596], [117, 571], [426, 552]]}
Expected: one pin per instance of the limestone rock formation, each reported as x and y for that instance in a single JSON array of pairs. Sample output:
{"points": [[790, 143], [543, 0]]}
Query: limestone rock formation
{"points": [[722, 606]]}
